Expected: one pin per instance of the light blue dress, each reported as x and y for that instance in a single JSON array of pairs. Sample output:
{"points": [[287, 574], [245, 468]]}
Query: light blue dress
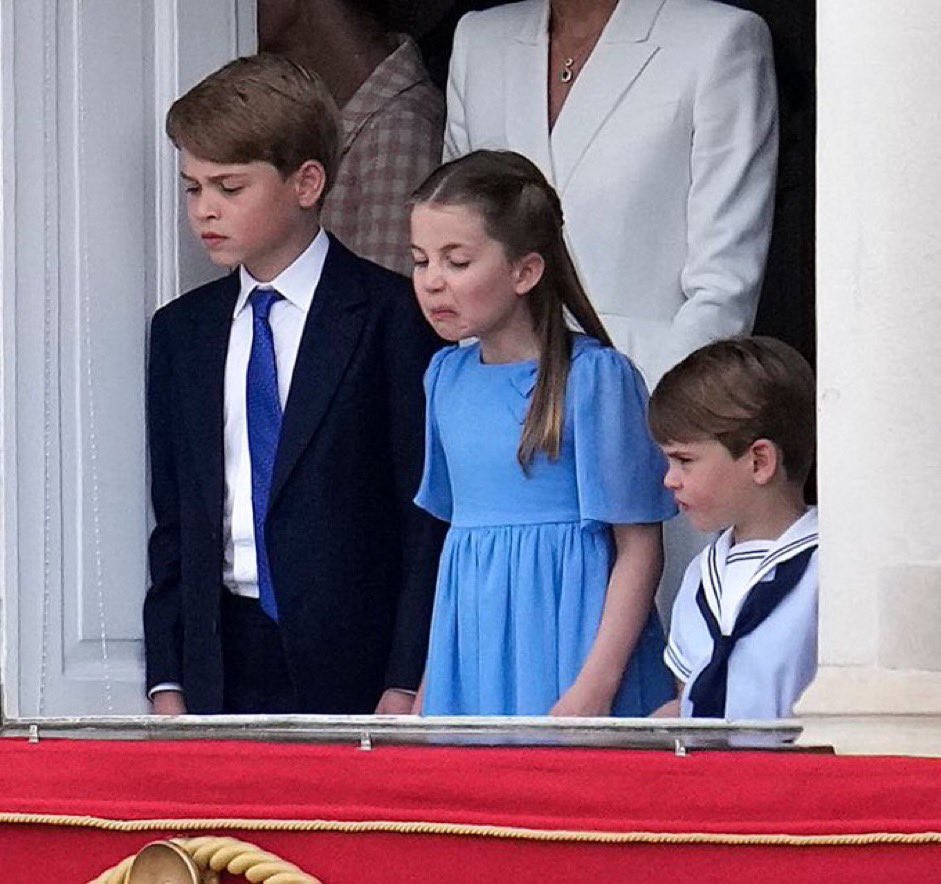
{"points": [[525, 566]]}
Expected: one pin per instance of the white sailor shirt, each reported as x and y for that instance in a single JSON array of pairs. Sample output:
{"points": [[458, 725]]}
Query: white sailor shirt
{"points": [[771, 667]]}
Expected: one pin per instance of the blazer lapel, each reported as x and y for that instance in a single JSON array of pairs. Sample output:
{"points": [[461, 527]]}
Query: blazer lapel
{"points": [[333, 328], [617, 60], [527, 106], [204, 404]]}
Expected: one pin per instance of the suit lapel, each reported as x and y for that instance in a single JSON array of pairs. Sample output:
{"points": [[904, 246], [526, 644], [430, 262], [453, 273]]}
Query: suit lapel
{"points": [[204, 404], [527, 72], [332, 330], [619, 58]]}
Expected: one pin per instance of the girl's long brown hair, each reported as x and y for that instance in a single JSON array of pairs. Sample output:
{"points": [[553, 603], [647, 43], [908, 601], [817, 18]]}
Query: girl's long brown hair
{"points": [[522, 212]]}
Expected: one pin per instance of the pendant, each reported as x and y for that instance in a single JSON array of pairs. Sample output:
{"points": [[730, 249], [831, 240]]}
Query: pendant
{"points": [[567, 74]]}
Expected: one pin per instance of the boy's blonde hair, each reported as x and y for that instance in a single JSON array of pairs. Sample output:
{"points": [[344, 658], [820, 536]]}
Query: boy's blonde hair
{"points": [[261, 108], [738, 391]]}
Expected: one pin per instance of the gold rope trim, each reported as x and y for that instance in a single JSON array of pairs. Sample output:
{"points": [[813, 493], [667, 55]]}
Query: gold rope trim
{"points": [[471, 831]]}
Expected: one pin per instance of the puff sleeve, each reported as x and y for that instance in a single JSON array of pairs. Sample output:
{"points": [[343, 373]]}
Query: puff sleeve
{"points": [[619, 468], [434, 492]]}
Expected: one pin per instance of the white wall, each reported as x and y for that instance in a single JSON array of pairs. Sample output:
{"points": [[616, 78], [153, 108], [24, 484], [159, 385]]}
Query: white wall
{"points": [[92, 242], [879, 369]]}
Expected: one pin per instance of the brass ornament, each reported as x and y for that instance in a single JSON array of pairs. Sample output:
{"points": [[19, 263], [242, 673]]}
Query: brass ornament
{"points": [[200, 860], [163, 862]]}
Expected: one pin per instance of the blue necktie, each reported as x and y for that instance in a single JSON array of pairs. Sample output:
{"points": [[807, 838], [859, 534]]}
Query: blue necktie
{"points": [[708, 692], [263, 415]]}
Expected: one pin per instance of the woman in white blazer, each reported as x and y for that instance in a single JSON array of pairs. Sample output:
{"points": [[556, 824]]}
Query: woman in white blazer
{"points": [[661, 140]]}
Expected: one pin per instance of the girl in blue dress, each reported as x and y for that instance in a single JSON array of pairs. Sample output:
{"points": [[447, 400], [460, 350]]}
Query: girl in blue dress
{"points": [[537, 453]]}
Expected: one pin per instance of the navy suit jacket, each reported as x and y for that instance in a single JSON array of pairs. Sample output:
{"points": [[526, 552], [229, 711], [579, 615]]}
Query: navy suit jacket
{"points": [[353, 560]]}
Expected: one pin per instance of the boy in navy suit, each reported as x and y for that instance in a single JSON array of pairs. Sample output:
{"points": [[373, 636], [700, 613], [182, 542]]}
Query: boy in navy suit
{"points": [[290, 570]]}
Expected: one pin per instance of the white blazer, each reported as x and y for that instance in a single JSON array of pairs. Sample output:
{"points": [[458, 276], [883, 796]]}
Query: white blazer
{"points": [[664, 155]]}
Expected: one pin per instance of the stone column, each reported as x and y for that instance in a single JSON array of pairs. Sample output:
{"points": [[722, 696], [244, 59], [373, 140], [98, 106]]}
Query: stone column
{"points": [[879, 327]]}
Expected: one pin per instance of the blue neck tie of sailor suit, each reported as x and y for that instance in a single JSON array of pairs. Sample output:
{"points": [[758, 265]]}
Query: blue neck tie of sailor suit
{"points": [[263, 416], [708, 691]]}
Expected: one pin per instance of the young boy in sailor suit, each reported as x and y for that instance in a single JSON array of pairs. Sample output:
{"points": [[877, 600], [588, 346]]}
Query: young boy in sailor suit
{"points": [[736, 420]]}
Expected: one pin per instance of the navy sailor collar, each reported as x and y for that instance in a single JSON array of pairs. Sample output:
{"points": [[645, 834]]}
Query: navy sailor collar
{"points": [[801, 535]]}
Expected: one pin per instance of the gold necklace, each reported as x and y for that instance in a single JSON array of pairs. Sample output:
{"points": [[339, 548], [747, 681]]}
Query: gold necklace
{"points": [[567, 74]]}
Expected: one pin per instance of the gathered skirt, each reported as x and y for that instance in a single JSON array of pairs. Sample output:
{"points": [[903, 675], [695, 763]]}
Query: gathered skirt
{"points": [[516, 613]]}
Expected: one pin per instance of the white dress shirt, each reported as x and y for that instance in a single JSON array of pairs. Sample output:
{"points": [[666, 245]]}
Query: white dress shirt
{"points": [[296, 284]]}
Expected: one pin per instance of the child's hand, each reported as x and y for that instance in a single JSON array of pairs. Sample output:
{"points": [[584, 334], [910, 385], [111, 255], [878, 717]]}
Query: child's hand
{"points": [[582, 702], [395, 702], [670, 709], [169, 703]]}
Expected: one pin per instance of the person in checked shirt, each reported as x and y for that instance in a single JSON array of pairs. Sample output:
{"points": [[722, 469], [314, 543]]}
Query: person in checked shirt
{"points": [[392, 115]]}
